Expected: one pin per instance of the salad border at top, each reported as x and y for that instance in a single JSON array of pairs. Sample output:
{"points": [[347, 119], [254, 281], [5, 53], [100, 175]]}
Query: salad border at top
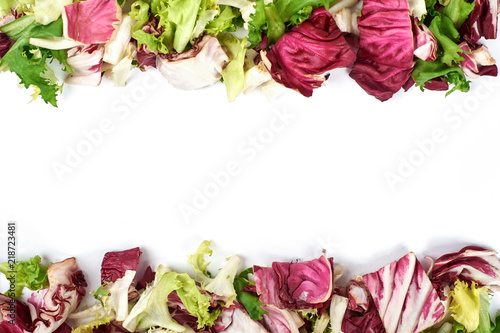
{"points": [[385, 46]]}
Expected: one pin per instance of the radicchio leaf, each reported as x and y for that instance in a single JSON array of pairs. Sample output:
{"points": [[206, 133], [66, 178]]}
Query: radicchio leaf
{"points": [[115, 264], [52, 306], [361, 315], [404, 296], [426, 45], [477, 61], [199, 67], [295, 286], [91, 21], [312, 48], [85, 61], [5, 44], [14, 316], [385, 58], [281, 321], [470, 264], [241, 322], [482, 21]]}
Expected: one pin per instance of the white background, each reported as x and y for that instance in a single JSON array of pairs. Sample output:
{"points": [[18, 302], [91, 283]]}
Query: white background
{"points": [[320, 182]]}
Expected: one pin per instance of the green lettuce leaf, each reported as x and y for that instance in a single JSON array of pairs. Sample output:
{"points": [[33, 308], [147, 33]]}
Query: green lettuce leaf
{"points": [[179, 17], [5, 6], [258, 24], [234, 73], [30, 274], [226, 20], [496, 327], [447, 36], [139, 11], [274, 18], [266, 18], [249, 300], [30, 62], [288, 8], [425, 71], [458, 11]]}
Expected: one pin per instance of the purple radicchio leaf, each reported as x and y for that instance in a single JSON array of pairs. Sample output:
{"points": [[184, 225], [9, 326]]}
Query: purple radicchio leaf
{"points": [[385, 58], [477, 61], [426, 45], [470, 264], [404, 296], [361, 315], [51, 307], [115, 264], [295, 286], [14, 316], [85, 61], [5, 44], [302, 55], [482, 21]]}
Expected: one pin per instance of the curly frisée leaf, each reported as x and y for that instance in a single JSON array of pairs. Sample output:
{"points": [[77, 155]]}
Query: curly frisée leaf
{"points": [[30, 62], [469, 306], [152, 310], [30, 274], [223, 284]]}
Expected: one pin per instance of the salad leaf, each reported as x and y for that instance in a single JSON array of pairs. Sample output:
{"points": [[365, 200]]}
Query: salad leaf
{"points": [[425, 71], [86, 64], [458, 11], [28, 61], [289, 8], [30, 274], [470, 307], [496, 326], [47, 11], [5, 6], [248, 299], [116, 299], [295, 286], [222, 284], [226, 20], [152, 309], [89, 327], [178, 18], [234, 73], [91, 21], [115, 264], [385, 58], [309, 50], [5, 44], [273, 18], [139, 11], [53, 305], [14, 316], [443, 29], [361, 315], [282, 320], [403, 293], [483, 21], [196, 68], [470, 264]]}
